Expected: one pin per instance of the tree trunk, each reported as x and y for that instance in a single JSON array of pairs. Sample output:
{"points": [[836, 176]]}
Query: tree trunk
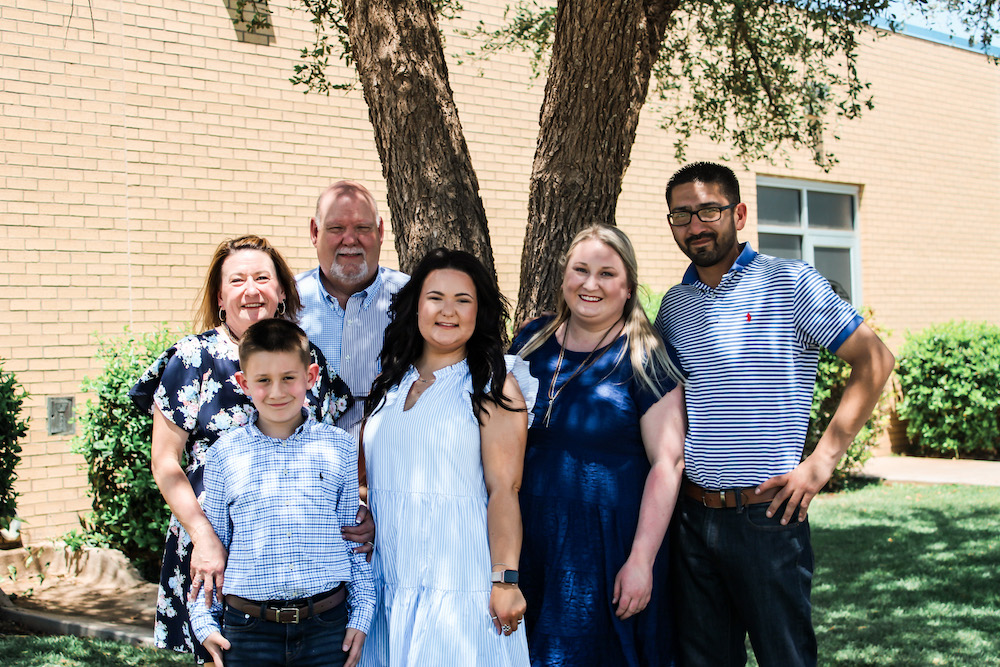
{"points": [[433, 191], [602, 56]]}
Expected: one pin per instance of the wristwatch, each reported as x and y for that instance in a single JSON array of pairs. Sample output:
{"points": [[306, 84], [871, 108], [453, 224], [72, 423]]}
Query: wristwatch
{"points": [[504, 577]]}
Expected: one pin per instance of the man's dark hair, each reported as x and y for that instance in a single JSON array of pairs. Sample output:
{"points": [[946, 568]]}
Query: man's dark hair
{"points": [[707, 172], [274, 335]]}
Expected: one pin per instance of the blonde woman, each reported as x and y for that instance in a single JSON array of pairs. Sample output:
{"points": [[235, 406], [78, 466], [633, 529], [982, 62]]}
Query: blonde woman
{"points": [[602, 467]]}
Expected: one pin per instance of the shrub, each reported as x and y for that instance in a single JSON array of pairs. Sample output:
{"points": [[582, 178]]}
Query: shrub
{"points": [[949, 378], [129, 512], [650, 302], [831, 380], [12, 428]]}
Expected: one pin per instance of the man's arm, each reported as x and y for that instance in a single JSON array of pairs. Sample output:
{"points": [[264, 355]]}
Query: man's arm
{"points": [[871, 363]]}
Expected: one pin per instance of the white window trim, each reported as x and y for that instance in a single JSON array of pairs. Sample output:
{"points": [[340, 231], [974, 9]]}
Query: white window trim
{"points": [[826, 238]]}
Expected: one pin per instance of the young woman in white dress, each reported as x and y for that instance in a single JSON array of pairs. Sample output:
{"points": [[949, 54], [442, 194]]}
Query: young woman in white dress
{"points": [[444, 447]]}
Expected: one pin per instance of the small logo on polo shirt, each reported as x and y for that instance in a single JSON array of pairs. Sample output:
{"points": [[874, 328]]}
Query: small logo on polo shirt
{"points": [[748, 317]]}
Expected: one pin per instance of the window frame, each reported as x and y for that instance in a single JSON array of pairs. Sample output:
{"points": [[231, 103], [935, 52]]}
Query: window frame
{"points": [[811, 237]]}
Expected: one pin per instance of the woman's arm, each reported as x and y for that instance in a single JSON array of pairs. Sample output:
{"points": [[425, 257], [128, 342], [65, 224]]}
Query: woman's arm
{"points": [[663, 428], [208, 557], [503, 436]]}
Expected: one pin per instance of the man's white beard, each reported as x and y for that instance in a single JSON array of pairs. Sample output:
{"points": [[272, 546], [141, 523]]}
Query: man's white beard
{"points": [[351, 275]]}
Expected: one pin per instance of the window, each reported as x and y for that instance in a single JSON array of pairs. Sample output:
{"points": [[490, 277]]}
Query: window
{"points": [[815, 222]]}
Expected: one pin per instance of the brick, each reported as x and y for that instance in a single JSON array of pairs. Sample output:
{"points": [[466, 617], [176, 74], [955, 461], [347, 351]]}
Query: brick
{"points": [[119, 179]]}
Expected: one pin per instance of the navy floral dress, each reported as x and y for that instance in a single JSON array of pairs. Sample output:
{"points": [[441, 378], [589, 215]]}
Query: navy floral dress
{"points": [[192, 383]]}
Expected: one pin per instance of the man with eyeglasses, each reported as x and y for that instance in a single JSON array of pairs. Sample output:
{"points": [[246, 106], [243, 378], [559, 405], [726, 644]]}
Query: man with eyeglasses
{"points": [[748, 328]]}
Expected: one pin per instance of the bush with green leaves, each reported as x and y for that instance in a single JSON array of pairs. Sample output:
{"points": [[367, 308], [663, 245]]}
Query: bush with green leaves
{"points": [[12, 429], [115, 439], [949, 380], [831, 380]]}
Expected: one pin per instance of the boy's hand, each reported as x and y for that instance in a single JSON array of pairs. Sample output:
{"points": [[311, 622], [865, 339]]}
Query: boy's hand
{"points": [[363, 533], [354, 639], [215, 644]]}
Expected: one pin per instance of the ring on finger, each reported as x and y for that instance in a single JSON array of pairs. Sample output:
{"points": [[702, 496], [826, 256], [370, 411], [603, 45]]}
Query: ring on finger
{"points": [[505, 628]]}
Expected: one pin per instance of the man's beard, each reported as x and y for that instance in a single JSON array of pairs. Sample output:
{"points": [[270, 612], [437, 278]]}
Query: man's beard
{"points": [[350, 274], [708, 255]]}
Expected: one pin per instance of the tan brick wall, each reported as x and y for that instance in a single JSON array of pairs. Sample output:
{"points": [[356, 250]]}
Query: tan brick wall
{"points": [[135, 136]]}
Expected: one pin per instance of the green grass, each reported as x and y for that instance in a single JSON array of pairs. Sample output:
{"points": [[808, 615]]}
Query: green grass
{"points": [[31, 651], [907, 575]]}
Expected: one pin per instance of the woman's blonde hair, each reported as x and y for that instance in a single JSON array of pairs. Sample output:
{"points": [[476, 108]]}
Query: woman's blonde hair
{"points": [[650, 360], [207, 316]]}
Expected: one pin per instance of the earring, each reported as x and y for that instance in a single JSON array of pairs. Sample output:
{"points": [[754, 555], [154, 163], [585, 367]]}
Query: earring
{"points": [[222, 315], [280, 311]]}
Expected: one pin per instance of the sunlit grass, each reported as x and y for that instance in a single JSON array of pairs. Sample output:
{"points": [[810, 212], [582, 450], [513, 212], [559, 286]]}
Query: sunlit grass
{"points": [[907, 575], [63, 651]]}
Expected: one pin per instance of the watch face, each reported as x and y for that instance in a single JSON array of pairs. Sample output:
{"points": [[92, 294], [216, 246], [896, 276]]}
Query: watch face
{"points": [[504, 577]]}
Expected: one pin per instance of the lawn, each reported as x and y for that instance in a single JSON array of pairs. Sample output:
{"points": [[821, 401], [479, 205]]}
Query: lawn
{"points": [[59, 651], [907, 575]]}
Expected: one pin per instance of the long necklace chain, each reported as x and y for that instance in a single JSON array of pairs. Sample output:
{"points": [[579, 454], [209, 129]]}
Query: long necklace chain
{"points": [[589, 361], [232, 336]]}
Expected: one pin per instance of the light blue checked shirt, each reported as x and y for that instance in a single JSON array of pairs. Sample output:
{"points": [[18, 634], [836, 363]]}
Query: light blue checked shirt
{"points": [[351, 338], [277, 506]]}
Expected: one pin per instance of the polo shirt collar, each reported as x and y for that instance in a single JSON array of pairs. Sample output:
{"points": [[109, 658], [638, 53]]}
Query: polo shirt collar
{"points": [[747, 255]]}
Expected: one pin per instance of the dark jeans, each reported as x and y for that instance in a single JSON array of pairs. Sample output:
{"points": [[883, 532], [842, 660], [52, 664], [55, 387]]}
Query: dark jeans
{"points": [[315, 642], [736, 571]]}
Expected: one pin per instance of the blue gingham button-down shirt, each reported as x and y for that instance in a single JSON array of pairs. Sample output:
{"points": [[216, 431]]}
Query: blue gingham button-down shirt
{"points": [[278, 506], [350, 338]]}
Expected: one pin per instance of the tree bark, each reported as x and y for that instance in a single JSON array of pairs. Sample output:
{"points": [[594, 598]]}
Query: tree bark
{"points": [[602, 55], [433, 191]]}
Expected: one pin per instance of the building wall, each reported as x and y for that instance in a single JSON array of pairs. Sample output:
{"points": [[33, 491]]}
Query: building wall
{"points": [[136, 135]]}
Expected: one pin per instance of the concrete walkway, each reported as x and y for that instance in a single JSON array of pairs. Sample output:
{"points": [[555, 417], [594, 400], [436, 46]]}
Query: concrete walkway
{"points": [[55, 623], [913, 469], [891, 469]]}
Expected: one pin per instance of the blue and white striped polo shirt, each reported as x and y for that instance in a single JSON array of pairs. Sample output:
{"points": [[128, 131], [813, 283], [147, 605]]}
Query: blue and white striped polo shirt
{"points": [[750, 347], [351, 338]]}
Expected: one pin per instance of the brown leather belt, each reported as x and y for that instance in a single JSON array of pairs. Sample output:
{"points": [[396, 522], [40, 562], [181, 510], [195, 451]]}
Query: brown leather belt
{"points": [[291, 611], [718, 499]]}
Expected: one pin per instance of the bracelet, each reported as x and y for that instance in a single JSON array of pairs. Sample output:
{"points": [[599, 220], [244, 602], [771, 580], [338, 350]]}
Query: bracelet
{"points": [[504, 565]]}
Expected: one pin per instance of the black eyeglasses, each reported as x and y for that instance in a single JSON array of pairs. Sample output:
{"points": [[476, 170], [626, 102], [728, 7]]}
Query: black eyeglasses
{"points": [[707, 214]]}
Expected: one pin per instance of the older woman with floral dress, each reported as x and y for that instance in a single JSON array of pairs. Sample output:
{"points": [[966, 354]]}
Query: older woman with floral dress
{"points": [[193, 397]]}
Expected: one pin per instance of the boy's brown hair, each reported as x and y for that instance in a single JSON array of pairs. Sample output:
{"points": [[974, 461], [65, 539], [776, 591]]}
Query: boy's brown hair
{"points": [[274, 335]]}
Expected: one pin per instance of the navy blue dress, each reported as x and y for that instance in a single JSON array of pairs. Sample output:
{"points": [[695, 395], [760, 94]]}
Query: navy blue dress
{"points": [[193, 385], [584, 474]]}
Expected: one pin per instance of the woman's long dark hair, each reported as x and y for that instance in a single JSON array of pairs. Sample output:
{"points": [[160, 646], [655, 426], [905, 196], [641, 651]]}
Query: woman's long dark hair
{"points": [[484, 351]]}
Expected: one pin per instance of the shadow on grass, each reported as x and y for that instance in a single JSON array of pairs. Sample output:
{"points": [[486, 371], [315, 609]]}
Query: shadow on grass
{"points": [[908, 576]]}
